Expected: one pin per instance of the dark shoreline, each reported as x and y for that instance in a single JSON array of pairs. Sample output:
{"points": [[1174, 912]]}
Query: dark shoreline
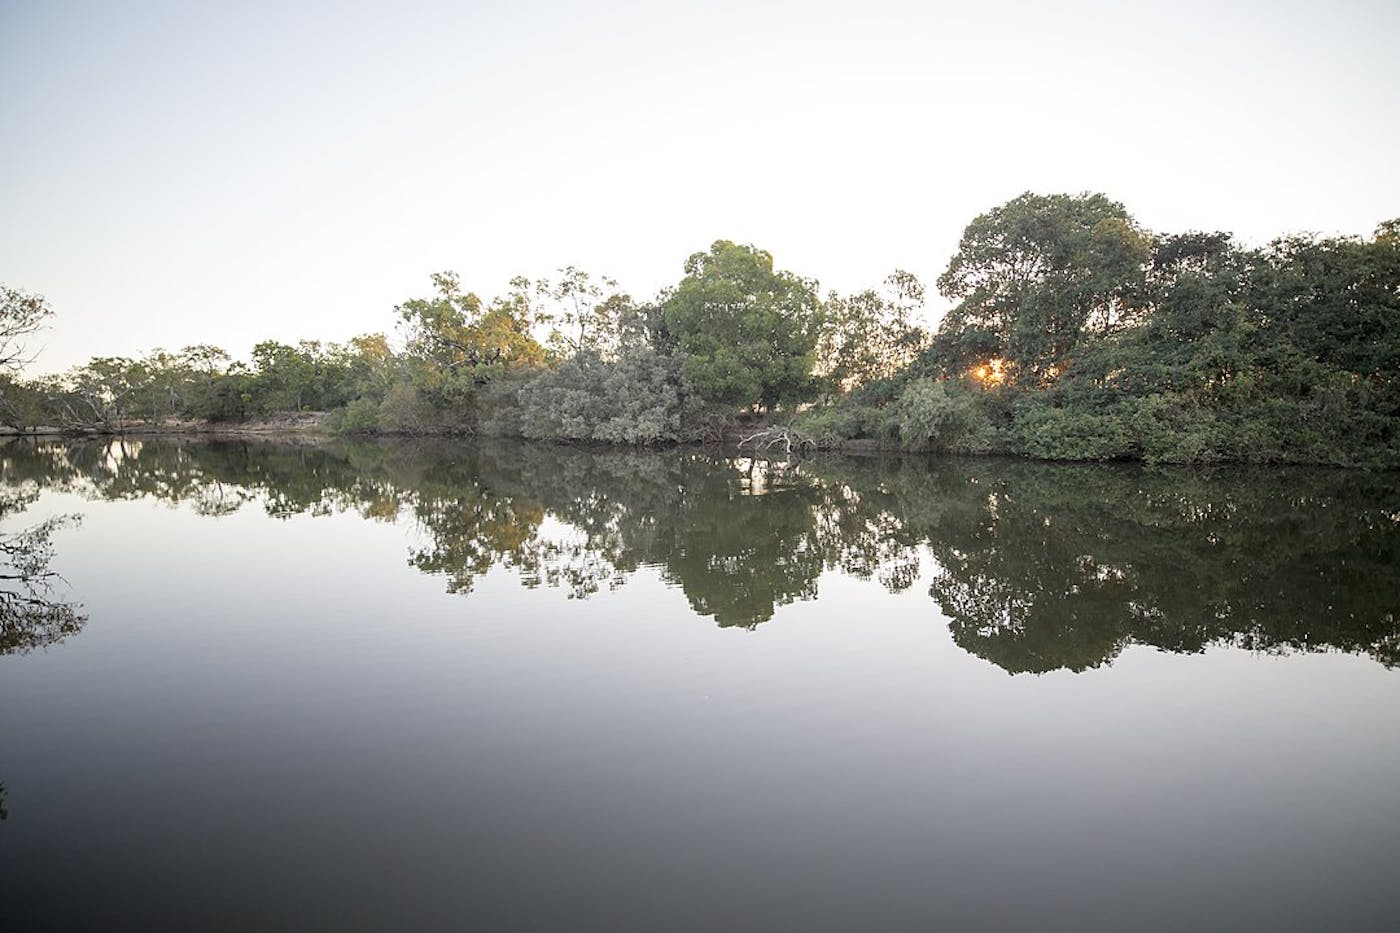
{"points": [[311, 428]]}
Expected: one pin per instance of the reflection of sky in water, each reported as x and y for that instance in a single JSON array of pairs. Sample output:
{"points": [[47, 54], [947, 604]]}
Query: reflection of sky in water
{"points": [[288, 703]]}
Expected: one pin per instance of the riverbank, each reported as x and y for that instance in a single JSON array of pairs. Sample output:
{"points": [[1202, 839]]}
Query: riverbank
{"points": [[746, 437], [297, 424]]}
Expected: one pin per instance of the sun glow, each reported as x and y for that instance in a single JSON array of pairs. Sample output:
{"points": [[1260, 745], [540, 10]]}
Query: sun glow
{"points": [[991, 373]]}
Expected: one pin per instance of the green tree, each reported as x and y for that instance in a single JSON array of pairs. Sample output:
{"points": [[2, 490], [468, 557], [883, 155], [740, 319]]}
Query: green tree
{"points": [[105, 389], [371, 365], [454, 342], [943, 416], [29, 615], [21, 314], [1035, 276], [284, 376], [205, 364], [745, 334], [639, 398]]}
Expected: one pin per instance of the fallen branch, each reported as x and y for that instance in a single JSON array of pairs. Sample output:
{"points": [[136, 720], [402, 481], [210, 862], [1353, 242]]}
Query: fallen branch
{"points": [[787, 438]]}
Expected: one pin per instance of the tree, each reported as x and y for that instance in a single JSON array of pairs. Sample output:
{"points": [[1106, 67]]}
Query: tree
{"points": [[1036, 275], [205, 363], [454, 342], [942, 416], [21, 314], [29, 616], [105, 389], [639, 398], [583, 314], [871, 334], [286, 375], [168, 385], [371, 365], [1336, 299], [745, 334]]}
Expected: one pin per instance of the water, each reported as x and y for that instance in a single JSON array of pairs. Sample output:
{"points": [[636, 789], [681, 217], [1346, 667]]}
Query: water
{"points": [[442, 686]]}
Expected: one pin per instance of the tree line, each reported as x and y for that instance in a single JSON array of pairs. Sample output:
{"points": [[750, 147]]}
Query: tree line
{"points": [[1075, 334]]}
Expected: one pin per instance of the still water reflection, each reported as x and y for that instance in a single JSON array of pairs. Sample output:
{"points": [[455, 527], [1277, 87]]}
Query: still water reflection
{"points": [[551, 721], [1035, 567]]}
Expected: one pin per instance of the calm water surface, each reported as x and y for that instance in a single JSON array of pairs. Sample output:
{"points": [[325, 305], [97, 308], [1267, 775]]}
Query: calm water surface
{"points": [[442, 686]]}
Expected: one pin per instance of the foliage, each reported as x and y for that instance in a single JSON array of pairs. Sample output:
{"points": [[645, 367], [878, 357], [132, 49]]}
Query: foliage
{"points": [[1075, 335], [454, 343], [30, 616], [1188, 349], [745, 334], [639, 399], [871, 334], [1036, 567], [1035, 275], [1059, 434], [21, 314], [404, 411], [360, 417], [583, 315], [943, 416], [833, 425]]}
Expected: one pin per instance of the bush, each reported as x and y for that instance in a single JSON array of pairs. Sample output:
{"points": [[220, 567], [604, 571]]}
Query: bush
{"points": [[640, 398], [849, 419], [1064, 434], [1173, 428], [359, 417], [404, 412], [943, 416]]}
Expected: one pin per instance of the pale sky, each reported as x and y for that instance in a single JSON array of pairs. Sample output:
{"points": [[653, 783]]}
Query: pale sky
{"points": [[173, 173]]}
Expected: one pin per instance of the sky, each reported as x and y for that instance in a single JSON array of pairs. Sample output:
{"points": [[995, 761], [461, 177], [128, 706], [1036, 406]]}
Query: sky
{"points": [[187, 172]]}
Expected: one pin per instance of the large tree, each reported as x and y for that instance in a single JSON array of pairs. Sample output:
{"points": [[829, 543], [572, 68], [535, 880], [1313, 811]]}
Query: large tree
{"points": [[1038, 274], [746, 334]]}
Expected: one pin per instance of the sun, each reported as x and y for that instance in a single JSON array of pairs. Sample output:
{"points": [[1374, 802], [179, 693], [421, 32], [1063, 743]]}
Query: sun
{"points": [[991, 373]]}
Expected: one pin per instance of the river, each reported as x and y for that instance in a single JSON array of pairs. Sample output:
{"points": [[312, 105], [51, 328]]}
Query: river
{"points": [[444, 685]]}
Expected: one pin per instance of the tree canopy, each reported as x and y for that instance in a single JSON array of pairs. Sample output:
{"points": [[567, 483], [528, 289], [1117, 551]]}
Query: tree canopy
{"points": [[1039, 273], [746, 334]]}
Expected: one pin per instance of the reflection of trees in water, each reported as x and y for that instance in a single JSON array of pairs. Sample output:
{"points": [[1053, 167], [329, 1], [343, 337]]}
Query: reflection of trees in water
{"points": [[1043, 567], [30, 614], [1037, 567], [738, 542]]}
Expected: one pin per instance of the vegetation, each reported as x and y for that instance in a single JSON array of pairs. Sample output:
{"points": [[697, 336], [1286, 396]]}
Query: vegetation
{"points": [[1078, 336], [1037, 567], [745, 334], [30, 616], [1075, 334]]}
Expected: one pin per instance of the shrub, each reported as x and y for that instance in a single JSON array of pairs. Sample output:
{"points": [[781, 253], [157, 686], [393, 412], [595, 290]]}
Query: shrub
{"points": [[359, 417], [1063, 434], [943, 416], [404, 412], [640, 398], [1171, 428]]}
